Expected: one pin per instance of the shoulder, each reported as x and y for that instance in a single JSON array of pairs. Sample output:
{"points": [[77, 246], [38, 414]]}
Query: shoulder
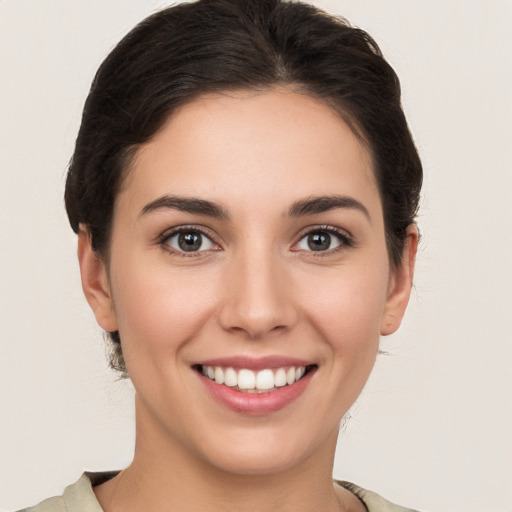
{"points": [[372, 501], [78, 497], [55, 504]]}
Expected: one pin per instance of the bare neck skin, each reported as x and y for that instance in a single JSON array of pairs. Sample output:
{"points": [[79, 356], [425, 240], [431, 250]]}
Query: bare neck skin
{"points": [[165, 476]]}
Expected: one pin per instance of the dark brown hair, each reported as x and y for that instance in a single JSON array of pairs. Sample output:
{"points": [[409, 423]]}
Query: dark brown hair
{"points": [[182, 52]]}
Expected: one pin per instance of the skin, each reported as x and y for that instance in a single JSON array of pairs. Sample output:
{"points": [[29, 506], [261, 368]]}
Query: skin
{"points": [[256, 289]]}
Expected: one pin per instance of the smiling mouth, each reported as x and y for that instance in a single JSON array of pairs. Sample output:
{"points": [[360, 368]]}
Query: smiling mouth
{"points": [[265, 380]]}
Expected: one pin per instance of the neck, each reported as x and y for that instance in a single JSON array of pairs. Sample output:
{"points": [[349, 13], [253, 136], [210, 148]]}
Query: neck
{"points": [[167, 477]]}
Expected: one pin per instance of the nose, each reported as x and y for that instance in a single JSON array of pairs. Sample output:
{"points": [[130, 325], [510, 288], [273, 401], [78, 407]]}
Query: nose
{"points": [[258, 297]]}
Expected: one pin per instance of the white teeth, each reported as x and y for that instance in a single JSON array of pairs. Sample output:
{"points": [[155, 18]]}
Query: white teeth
{"points": [[265, 379], [246, 379], [219, 375], [230, 377], [250, 381], [280, 378]]}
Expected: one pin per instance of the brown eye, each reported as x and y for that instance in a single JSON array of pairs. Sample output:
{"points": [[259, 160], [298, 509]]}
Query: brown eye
{"points": [[321, 240], [189, 241]]}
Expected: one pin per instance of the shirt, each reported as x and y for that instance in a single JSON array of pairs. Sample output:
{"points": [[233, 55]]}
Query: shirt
{"points": [[79, 497]]}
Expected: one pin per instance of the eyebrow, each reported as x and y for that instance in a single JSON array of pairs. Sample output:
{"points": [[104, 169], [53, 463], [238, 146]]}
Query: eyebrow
{"points": [[185, 204], [320, 204], [308, 206]]}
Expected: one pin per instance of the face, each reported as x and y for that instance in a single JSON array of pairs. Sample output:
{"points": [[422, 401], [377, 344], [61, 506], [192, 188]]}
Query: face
{"points": [[249, 280]]}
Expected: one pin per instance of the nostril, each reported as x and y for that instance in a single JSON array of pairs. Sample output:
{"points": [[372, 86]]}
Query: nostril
{"points": [[257, 305]]}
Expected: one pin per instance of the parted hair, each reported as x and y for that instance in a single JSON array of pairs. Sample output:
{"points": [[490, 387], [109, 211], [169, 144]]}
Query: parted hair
{"points": [[184, 51]]}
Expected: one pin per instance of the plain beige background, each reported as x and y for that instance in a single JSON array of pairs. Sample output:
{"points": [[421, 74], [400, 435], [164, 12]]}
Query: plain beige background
{"points": [[433, 428]]}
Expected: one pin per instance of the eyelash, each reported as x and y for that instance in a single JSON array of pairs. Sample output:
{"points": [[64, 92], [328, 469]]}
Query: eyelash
{"points": [[166, 237], [345, 240]]}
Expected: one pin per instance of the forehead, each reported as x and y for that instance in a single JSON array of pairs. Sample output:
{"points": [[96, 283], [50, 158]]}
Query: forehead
{"points": [[273, 144]]}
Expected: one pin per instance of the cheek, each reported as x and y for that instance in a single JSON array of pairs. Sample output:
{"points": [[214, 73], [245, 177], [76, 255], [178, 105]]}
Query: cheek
{"points": [[158, 310], [346, 307], [343, 311]]}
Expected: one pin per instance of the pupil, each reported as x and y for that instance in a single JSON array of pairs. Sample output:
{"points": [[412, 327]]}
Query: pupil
{"points": [[319, 241], [189, 241]]}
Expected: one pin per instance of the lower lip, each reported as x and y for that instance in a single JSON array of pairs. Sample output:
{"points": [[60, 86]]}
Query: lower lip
{"points": [[256, 403]]}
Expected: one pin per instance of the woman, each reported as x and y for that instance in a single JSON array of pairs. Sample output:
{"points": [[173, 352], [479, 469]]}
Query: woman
{"points": [[244, 188]]}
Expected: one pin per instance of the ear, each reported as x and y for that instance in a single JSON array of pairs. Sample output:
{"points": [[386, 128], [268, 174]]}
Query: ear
{"points": [[400, 284], [95, 282]]}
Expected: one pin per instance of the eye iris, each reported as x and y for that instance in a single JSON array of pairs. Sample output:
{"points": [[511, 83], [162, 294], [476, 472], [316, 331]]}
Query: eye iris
{"points": [[319, 241], [190, 241]]}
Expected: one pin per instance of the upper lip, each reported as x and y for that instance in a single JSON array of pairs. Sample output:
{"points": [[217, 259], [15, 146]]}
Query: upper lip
{"points": [[255, 363]]}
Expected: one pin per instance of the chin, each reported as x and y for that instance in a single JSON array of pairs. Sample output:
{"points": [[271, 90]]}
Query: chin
{"points": [[266, 453], [256, 464]]}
